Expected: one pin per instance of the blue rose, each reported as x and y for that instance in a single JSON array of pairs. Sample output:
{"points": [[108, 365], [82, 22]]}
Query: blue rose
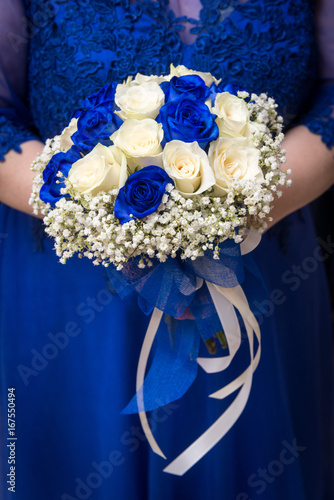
{"points": [[105, 96], [192, 85], [142, 193], [187, 119], [231, 88], [95, 125], [60, 162]]}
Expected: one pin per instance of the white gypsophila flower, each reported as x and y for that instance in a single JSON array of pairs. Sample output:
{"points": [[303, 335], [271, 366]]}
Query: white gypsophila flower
{"points": [[255, 130], [139, 100], [243, 94]]}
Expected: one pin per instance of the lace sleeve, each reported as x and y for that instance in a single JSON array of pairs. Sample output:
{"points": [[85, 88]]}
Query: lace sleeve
{"points": [[15, 119], [320, 116]]}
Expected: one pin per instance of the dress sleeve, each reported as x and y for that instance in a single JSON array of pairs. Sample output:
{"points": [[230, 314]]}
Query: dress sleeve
{"points": [[320, 116], [15, 119]]}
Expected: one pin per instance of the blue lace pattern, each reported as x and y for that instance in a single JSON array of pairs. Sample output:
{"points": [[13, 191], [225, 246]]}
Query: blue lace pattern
{"points": [[320, 117], [12, 135], [263, 45]]}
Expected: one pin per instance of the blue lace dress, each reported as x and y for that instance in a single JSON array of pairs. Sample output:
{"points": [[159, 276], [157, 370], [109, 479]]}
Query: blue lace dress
{"points": [[70, 346]]}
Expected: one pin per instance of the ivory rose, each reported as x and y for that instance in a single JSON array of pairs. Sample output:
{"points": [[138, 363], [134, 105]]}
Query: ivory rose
{"points": [[188, 165], [152, 78], [232, 115], [100, 170], [234, 160], [139, 101], [140, 141], [65, 139], [182, 71]]}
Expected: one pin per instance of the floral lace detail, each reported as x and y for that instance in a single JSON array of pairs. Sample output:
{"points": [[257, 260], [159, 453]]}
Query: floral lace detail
{"points": [[12, 135], [320, 118], [255, 43]]}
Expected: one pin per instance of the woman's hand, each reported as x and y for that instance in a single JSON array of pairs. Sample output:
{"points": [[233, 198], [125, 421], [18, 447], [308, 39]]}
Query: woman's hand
{"points": [[312, 167], [16, 177]]}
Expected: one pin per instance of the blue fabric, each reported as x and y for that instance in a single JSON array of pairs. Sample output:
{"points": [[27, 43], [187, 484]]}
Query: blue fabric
{"points": [[174, 366], [70, 345]]}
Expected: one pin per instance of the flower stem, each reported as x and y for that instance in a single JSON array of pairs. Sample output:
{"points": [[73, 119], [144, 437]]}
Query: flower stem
{"points": [[222, 339]]}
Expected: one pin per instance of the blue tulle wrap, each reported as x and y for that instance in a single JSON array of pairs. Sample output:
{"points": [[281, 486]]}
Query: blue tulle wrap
{"points": [[190, 315]]}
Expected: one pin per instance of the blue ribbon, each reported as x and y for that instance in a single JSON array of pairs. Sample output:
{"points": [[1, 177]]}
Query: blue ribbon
{"points": [[174, 366]]}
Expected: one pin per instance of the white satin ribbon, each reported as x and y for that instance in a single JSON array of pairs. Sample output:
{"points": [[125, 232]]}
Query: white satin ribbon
{"points": [[144, 354], [226, 300], [225, 422], [251, 242], [231, 328]]}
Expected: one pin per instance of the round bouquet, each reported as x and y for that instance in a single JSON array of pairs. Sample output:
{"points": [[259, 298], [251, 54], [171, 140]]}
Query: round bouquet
{"points": [[160, 166], [160, 179]]}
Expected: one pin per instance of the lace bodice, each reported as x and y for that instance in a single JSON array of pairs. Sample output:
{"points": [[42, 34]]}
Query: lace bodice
{"points": [[76, 47]]}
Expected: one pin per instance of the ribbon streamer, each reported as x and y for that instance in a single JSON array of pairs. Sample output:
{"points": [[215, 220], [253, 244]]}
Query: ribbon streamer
{"points": [[226, 421], [251, 242], [144, 354], [226, 301]]}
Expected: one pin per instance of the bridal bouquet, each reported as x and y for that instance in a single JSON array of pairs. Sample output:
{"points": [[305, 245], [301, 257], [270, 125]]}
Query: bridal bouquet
{"points": [[160, 179], [160, 166]]}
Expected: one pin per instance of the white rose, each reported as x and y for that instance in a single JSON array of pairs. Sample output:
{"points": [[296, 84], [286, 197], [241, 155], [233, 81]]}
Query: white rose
{"points": [[65, 139], [152, 78], [188, 165], [140, 141], [232, 115], [182, 71], [234, 160], [100, 170], [139, 100]]}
